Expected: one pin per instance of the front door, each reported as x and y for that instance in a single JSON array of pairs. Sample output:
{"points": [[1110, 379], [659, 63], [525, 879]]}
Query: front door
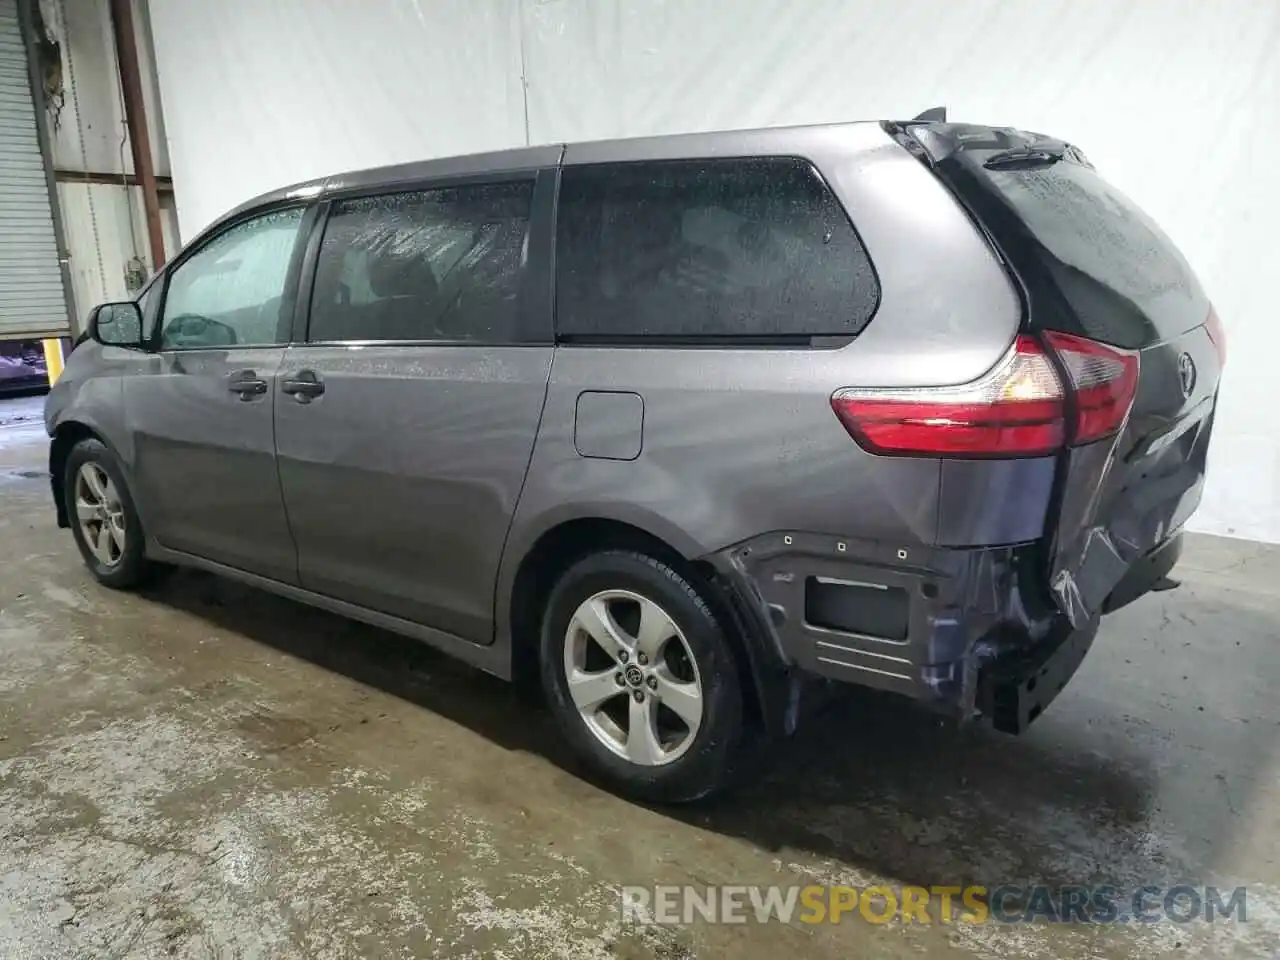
{"points": [[406, 421], [202, 420]]}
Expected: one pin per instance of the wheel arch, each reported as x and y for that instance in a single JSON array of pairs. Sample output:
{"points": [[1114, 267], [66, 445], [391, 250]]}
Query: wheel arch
{"points": [[65, 436], [560, 542]]}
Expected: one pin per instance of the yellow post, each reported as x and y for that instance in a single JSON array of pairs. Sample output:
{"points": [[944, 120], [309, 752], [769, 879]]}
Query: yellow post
{"points": [[53, 359]]}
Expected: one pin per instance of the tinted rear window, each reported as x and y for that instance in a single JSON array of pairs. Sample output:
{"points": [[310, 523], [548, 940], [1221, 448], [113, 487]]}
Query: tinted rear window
{"points": [[707, 249], [1120, 278], [430, 265]]}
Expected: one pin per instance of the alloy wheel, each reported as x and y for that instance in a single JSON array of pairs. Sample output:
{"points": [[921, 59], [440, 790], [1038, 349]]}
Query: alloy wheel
{"points": [[633, 677], [100, 514]]}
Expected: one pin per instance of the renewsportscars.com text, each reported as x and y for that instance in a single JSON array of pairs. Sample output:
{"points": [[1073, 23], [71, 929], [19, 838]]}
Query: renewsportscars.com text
{"points": [[1007, 903]]}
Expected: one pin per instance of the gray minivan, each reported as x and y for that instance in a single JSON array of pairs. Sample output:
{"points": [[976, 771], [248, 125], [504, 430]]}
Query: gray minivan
{"points": [[686, 426]]}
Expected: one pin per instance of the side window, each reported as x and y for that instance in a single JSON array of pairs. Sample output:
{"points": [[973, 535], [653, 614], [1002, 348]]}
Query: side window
{"points": [[231, 291], [434, 265], [707, 249]]}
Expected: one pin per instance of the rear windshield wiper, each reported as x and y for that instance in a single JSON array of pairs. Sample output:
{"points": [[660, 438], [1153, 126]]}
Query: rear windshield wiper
{"points": [[1022, 158]]}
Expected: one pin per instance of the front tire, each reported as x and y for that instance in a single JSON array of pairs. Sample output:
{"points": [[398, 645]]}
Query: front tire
{"points": [[104, 520], [641, 677]]}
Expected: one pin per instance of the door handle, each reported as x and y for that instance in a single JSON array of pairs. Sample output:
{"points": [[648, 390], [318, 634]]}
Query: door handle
{"points": [[247, 383], [303, 386]]}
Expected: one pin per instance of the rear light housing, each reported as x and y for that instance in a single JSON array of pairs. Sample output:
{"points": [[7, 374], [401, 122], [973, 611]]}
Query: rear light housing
{"points": [[1015, 410], [1104, 380], [1018, 409], [1218, 334]]}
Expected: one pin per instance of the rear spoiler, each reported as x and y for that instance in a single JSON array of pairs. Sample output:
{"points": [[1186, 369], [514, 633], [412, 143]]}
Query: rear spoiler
{"points": [[932, 115]]}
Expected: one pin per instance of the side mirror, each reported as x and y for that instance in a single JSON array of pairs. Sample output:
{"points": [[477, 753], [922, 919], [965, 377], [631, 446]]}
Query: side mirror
{"points": [[117, 325]]}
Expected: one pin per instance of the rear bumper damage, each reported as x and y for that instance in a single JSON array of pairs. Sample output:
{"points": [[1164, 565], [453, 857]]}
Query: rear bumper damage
{"points": [[1109, 545], [970, 633], [1014, 689], [1145, 575]]}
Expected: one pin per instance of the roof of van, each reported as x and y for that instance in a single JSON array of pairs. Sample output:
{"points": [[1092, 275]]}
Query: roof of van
{"points": [[670, 146]]}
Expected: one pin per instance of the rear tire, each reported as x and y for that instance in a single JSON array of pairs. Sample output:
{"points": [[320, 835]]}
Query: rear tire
{"points": [[641, 678], [104, 520]]}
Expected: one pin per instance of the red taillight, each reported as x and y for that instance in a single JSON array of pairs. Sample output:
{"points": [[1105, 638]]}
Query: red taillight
{"points": [[1218, 335], [1104, 380], [1016, 410]]}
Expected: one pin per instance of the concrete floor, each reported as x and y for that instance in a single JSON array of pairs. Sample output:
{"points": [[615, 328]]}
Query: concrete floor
{"points": [[209, 771]]}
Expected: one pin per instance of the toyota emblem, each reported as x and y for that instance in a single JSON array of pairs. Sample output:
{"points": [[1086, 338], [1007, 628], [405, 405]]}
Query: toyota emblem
{"points": [[1187, 374]]}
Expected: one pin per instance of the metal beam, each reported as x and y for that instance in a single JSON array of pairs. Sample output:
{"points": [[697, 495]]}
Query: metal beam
{"points": [[96, 177], [135, 116]]}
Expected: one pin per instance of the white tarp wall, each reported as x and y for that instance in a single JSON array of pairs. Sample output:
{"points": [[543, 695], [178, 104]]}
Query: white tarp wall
{"points": [[260, 93], [1177, 102]]}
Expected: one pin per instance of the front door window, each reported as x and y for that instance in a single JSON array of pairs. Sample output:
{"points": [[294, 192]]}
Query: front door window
{"points": [[230, 293]]}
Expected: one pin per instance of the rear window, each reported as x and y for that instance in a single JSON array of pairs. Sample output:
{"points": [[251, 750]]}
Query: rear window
{"points": [[1119, 277], [707, 250]]}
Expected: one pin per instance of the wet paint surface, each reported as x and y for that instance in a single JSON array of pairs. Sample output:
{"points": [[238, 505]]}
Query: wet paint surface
{"points": [[208, 771]]}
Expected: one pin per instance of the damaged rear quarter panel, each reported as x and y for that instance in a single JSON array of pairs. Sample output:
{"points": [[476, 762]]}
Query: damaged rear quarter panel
{"points": [[964, 607]]}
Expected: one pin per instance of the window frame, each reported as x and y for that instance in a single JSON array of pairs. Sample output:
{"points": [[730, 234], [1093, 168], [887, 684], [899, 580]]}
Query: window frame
{"points": [[712, 342], [535, 293], [150, 311], [305, 228]]}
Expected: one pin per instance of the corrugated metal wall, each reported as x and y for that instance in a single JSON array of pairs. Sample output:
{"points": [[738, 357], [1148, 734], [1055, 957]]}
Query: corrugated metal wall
{"points": [[32, 297]]}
